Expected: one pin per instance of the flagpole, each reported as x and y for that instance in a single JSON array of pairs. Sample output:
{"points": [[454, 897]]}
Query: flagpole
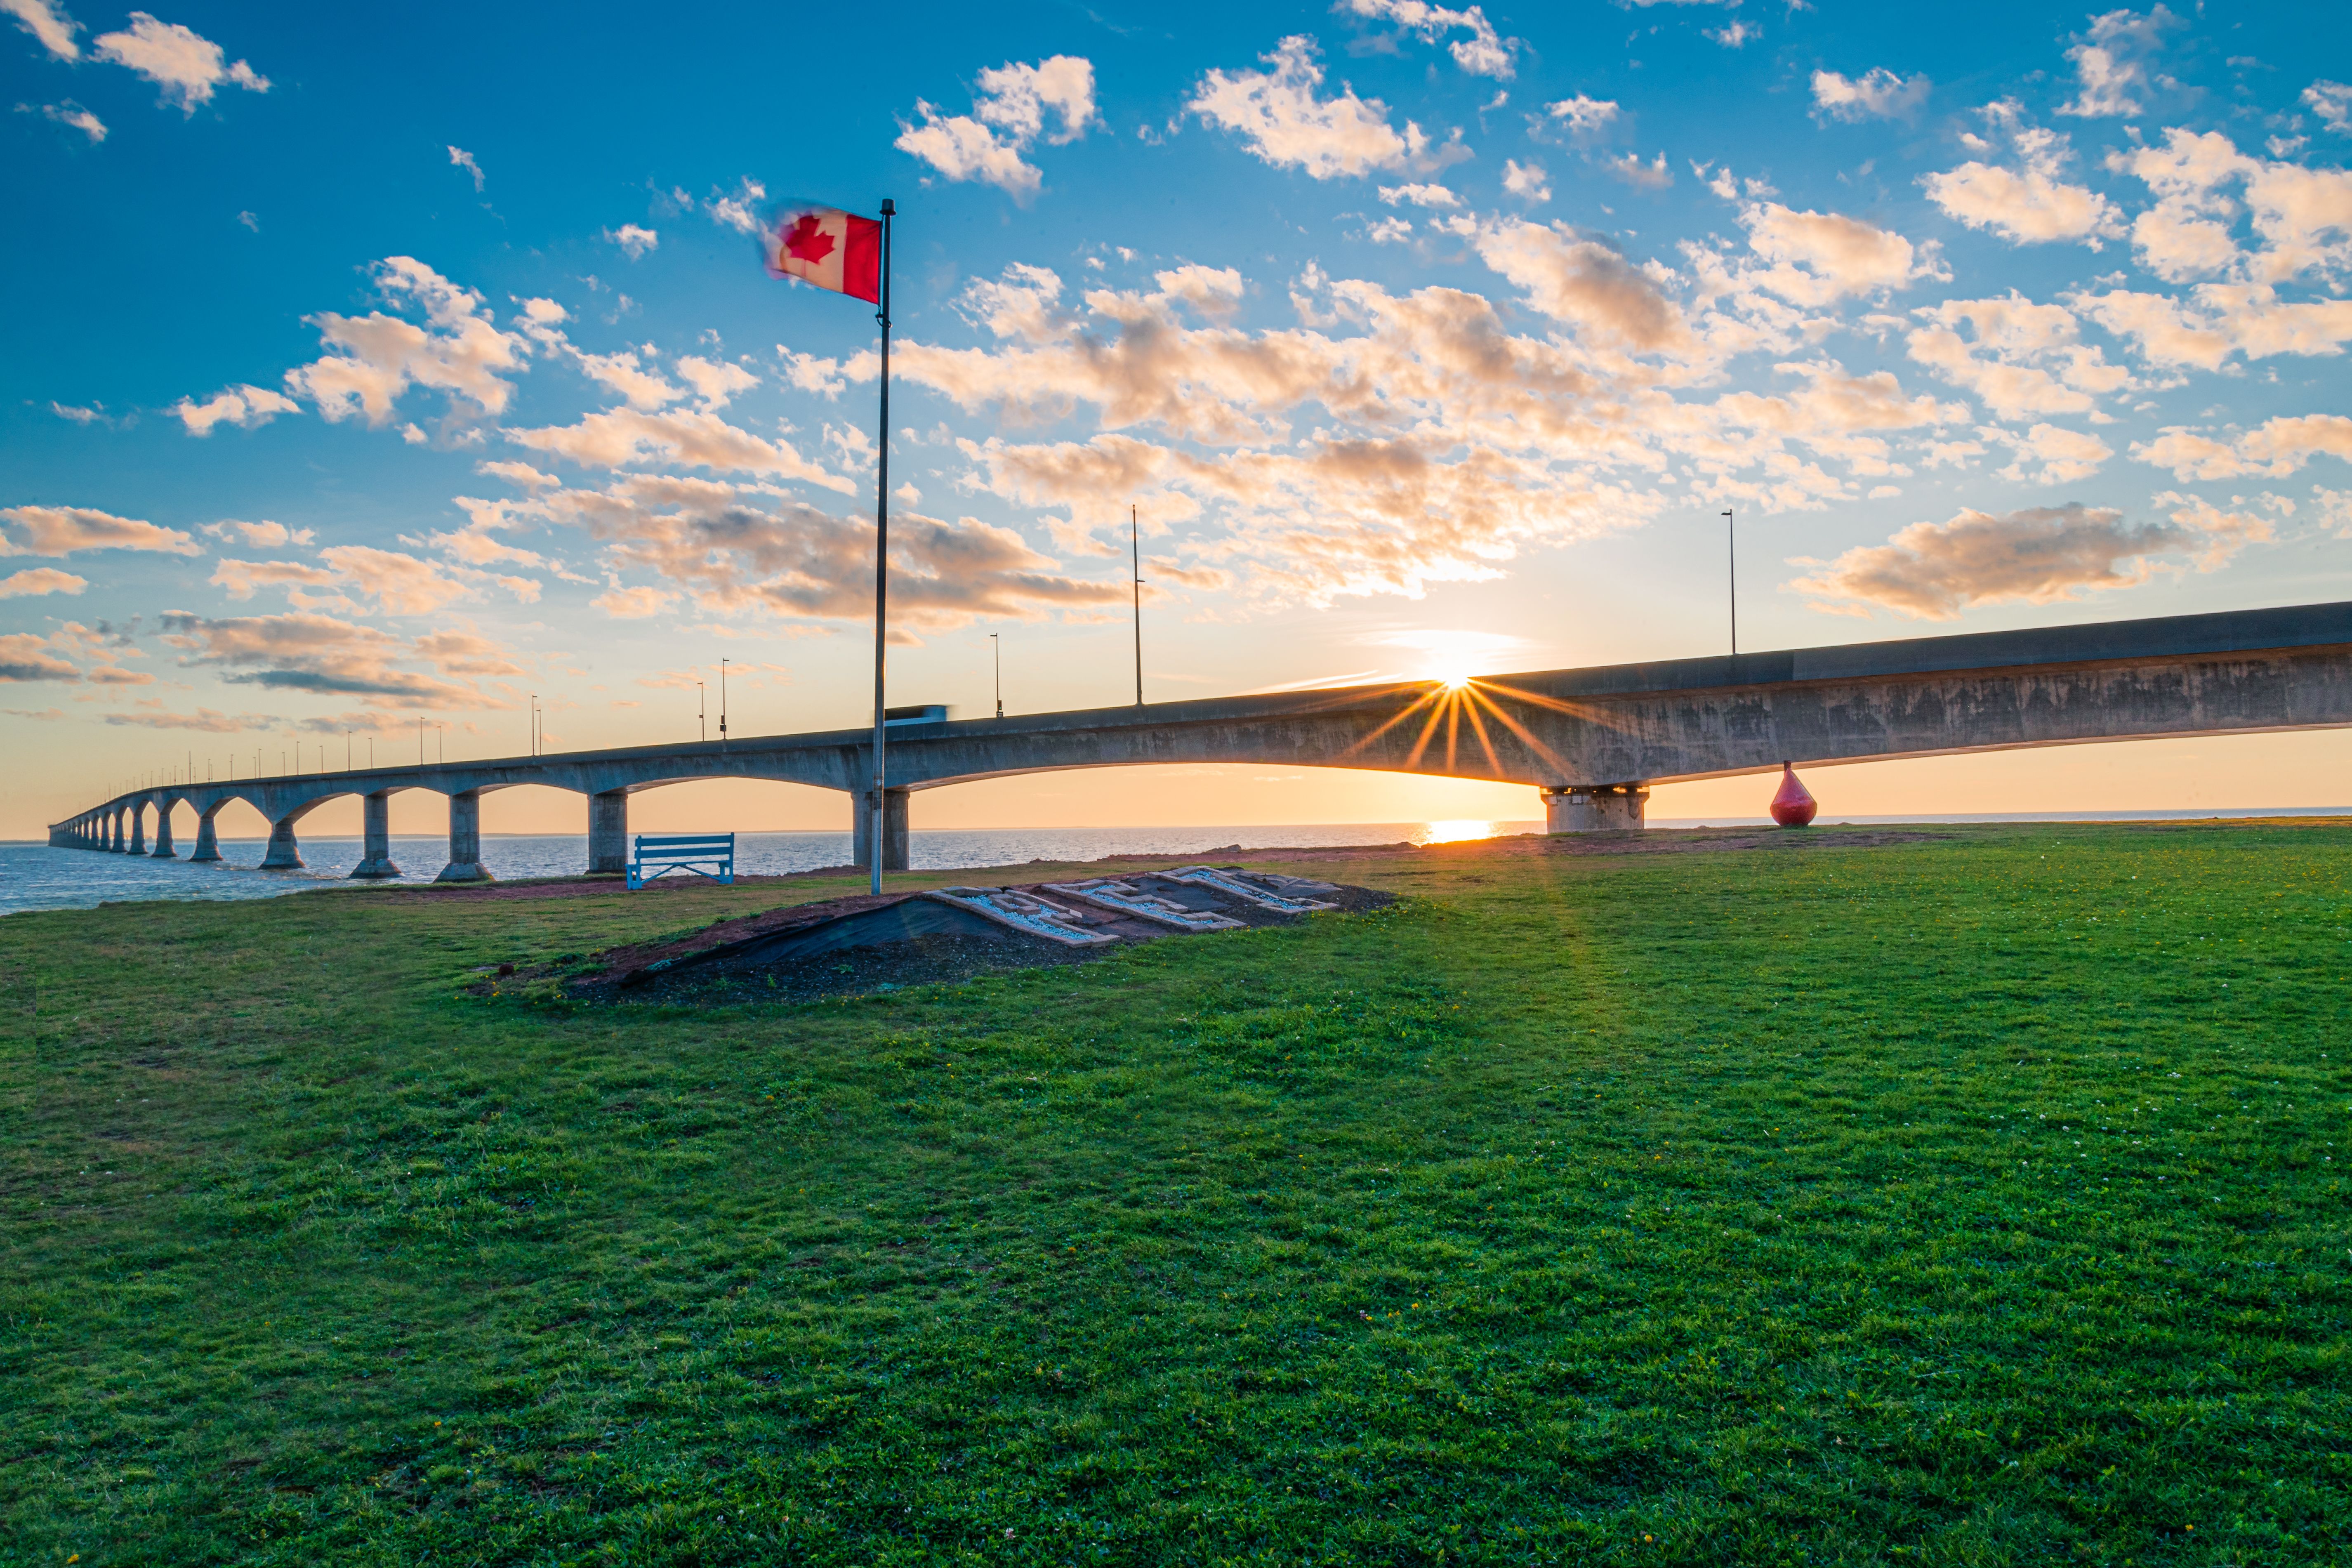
{"points": [[881, 556]]}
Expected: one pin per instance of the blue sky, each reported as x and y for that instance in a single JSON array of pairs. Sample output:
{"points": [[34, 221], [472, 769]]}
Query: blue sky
{"points": [[357, 370]]}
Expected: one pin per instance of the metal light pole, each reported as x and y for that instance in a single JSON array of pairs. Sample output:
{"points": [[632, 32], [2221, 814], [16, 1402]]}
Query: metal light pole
{"points": [[723, 703], [996, 645], [1731, 554], [347, 750], [701, 712], [1135, 570]]}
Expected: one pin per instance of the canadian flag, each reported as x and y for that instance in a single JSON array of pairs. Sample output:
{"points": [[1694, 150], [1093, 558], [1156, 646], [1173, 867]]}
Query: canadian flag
{"points": [[831, 248]]}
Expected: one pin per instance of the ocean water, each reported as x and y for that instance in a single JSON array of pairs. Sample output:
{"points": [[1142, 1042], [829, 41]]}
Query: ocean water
{"points": [[35, 877]]}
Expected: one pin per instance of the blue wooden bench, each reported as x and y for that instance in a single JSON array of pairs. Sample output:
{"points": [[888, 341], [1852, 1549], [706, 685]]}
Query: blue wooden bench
{"points": [[710, 855]]}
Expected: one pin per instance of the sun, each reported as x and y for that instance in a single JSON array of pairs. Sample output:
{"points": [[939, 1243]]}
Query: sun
{"points": [[1453, 660]]}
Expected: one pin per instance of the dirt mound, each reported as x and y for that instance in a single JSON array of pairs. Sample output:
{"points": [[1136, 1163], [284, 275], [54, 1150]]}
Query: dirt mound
{"points": [[865, 944]]}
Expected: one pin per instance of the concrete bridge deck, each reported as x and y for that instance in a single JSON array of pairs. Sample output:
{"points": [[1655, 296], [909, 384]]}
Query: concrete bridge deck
{"points": [[1593, 741]]}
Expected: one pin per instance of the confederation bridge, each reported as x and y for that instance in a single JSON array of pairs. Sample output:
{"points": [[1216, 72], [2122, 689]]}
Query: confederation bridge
{"points": [[1592, 740]]}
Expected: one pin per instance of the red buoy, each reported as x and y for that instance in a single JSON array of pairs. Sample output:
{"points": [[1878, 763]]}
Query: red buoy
{"points": [[1793, 806]]}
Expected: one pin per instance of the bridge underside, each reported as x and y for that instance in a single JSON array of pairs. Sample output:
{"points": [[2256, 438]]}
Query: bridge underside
{"points": [[1592, 740]]}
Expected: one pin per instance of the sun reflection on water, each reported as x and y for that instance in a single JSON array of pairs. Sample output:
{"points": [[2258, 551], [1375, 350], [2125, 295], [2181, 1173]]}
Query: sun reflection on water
{"points": [[1455, 831]]}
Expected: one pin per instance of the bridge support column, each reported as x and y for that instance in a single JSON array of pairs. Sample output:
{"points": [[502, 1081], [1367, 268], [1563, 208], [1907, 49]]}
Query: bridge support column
{"points": [[894, 829], [207, 846], [137, 829], [114, 846], [1594, 808], [376, 837], [465, 840], [163, 850], [285, 854], [608, 833]]}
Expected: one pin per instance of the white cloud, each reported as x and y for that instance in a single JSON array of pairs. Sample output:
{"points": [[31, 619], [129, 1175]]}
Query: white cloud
{"points": [[2276, 448], [95, 414], [1420, 195], [1286, 124], [244, 406], [25, 655], [1584, 283], [1528, 182], [1819, 257], [1389, 231], [1878, 94], [811, 372], [633, 240], [620, 370], [1483, 53], [2246, 318], [38, 580], [2065, 455], [740, 211], [2303, 217], [734, 548], [242, 579], [186, 66], [2332, 101], [715, 382], [74, 117], [2022, 358], [49, 23], [315, 653], [53, 531], [634, 604], [2029, 203], [264, 535], [521, 474], [1015, 99], [1734, 34], [377, 357], [1650, 176], [464, 160], [400, 583], [620, 438], [2041, 555], [1009, 113], [1583, 116], [2111, 63], [2333, 509]]}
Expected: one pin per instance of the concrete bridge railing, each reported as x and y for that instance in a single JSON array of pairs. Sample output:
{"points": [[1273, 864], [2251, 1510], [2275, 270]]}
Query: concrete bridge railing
{"points": [[1592, 740]]}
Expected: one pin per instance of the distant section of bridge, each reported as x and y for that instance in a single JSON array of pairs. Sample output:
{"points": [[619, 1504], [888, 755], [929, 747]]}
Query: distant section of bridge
{"points": [[1593, 741]]}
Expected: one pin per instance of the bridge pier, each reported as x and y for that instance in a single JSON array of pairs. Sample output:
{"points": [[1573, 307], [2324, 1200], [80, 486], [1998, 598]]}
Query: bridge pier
{"points": [[894, 829], [465, 840], [163, 850], [1595, 808], [285, 854], [138, 829], [376, 837], [608, 833], [207, 846], [114, 822]]}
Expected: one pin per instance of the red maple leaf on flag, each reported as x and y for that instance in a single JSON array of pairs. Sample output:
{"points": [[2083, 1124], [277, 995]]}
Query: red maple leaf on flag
{"points": [[807, 241]]}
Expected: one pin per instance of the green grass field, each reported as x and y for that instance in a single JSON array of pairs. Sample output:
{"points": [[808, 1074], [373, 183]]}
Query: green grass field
{"points": [[1973, 1202]]}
